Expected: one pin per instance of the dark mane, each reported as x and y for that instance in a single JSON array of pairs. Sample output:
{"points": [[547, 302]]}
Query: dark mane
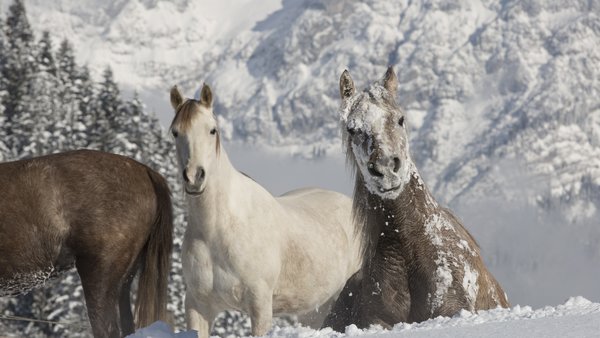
{"points": [[360, 202]]}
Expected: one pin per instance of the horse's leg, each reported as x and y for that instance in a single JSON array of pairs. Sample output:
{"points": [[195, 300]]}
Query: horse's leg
{"points": [[261, 310], [316, 317], [385, 295], [198, 317], [342, 314], [127, 326], [101, 291]]}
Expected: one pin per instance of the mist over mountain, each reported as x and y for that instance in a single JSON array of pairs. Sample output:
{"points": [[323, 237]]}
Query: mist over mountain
{"points": [[502, 98]]}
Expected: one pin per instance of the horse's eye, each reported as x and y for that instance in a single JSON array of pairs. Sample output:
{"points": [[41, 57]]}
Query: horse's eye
{"points": [[174, 133], [213, 131], [401, 121], [351, 131]]}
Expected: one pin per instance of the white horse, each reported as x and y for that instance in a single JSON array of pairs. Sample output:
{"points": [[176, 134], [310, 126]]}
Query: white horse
{"points": [[245, 249]]}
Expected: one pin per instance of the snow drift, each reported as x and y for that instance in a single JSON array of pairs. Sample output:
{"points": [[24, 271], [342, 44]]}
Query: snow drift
{"points": [[578, 317]]}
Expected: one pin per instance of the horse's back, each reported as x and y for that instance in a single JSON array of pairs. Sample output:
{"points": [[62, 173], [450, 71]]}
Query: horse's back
{"points": [[308, 191], [326, 210], [56, 207], [317, 199], [108, 196]]}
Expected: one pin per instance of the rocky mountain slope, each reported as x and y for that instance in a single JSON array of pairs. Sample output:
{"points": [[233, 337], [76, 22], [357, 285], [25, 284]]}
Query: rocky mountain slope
{"points": [[483, 83]]}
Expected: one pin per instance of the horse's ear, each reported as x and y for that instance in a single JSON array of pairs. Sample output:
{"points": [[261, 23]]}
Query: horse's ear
{"points": [[346, 85], [390, 81], [206, 97], [176, 98]]}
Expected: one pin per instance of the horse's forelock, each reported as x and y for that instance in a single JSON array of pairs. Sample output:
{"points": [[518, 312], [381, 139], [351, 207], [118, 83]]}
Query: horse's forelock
{"points": [[184, 117]]}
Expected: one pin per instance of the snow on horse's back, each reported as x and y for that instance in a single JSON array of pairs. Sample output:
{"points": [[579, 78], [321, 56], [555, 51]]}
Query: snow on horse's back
{"points": [[245, 249]]}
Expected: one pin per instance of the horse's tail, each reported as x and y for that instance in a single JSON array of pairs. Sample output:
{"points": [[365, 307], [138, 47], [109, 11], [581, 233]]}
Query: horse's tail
{"points": [[155, 259]]}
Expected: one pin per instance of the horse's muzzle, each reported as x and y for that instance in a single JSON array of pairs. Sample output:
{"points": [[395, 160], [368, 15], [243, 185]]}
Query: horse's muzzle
{"points": [[194, 187], [198, 177]]}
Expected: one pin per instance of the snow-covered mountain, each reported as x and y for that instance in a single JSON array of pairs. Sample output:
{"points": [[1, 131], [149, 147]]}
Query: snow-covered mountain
{"points": [[503, 98], [150, 44], [482, 81]]}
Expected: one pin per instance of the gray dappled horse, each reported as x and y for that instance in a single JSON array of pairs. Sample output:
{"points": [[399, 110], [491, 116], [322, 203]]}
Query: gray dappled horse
{"points": [[420, 261], [106, 215]]}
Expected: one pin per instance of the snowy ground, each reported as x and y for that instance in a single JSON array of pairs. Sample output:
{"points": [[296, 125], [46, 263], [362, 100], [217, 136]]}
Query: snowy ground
{"points": [[578, 317]]}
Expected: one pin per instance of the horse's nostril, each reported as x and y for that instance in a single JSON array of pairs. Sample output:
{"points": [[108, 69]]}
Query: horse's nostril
{"points": [[373, 170], [185, 176], [200, 175], [396, 164]]}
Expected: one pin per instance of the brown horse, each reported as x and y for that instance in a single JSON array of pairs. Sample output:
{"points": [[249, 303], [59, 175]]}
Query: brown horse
{"points": [[420, 262], [106, 215]]}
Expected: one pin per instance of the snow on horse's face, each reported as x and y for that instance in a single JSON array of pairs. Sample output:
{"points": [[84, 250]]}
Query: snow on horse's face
{"points": [[196, 139], [375, 134]]}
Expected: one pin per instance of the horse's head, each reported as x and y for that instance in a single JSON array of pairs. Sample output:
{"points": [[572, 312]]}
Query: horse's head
{"points": [[375, 135], [196, 138]]}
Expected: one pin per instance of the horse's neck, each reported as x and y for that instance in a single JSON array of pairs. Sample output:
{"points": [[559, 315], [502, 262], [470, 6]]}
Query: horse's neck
{"points": [[220, 189], [228, 193], [398, 218], [414, 202]]}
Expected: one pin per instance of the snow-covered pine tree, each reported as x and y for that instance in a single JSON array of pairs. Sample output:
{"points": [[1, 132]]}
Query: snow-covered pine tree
{"points": [[138, 125], [5, 153], [67, 76], [2, 53], [111, 115], [59, 129], [155, 147], [65, 60], [39, 128], [162, 155], [45, 55], [20, 63], [86, 117], [3, 81]]}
